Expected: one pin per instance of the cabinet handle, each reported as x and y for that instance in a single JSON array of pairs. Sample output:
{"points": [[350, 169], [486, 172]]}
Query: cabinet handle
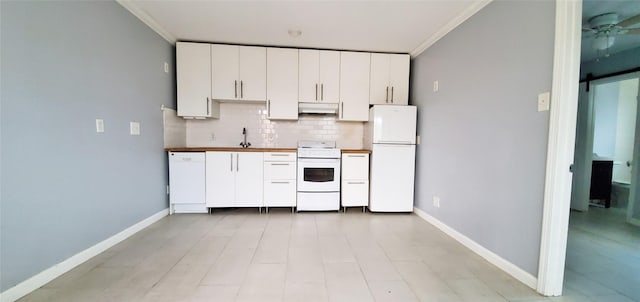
{"points": [[237, 161], [279, 154], [231, 162], [279, 164], [355, 155], [322, 92], [241, 90], [279, 182], [268, 108], [235, 89], [391, 94], [208, 107], [316, 91], [386, 95], [356, 182], [341, 109]]}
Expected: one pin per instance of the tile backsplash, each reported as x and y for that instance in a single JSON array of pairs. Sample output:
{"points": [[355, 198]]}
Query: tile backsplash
{"points": [[265, 133], [175, 129]]}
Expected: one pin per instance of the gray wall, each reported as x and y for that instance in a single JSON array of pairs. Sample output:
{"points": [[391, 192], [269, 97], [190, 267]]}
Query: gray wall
{"points": [[620, 61], [483, 148], [64, 186]]}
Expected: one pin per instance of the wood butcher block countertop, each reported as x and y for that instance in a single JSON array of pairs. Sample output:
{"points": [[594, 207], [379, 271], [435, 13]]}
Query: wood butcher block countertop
{"points": [[361, 151], [229, 149]]}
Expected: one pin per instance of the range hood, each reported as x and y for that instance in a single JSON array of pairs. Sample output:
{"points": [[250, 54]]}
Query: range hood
{"points": [[318, 108]]}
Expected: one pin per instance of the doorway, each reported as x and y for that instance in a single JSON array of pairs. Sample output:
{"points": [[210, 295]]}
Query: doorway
{"points": [[601, 254], [605, 144]]}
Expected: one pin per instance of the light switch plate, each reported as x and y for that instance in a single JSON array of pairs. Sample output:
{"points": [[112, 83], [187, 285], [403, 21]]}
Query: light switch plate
{"points": [[436, 86], [99, 125], [544, 100], [417, 139], [134, 128], [166, 67]]}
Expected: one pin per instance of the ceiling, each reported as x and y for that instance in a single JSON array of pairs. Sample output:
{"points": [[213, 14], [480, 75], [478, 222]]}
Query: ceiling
{"points": [[625, 9], [402, 26]]}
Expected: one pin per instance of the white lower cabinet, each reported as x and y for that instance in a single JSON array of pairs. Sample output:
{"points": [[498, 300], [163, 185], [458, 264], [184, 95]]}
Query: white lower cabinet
{"points": [[280, 179], [355, 180], [234, 179]]}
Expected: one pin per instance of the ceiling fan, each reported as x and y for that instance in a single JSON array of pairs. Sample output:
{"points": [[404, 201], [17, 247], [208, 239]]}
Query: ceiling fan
{"points": [[605, 27]]}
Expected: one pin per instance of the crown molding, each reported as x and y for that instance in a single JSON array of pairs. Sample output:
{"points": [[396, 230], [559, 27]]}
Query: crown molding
{"points": [[475, 7], [147, 19]]}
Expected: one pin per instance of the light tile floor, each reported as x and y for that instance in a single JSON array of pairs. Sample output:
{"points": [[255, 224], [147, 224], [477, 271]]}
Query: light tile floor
{"points": [[240, 255], [603, 257]]}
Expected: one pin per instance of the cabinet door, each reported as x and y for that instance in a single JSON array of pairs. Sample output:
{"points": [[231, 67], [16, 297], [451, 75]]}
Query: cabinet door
{"points": [[354, 86], [220, 179], [355, 166], [193, 73], [253, 73], [282, 83], [354, 193], [280, 193], [225, 78], [329, 76], [380, 88], [399, 79], [309, 71], [249, 179]]}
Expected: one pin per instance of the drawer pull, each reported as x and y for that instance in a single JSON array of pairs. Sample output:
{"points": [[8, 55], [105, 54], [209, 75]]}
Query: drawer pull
{"points": [[280, 164], [351, 155], [356, 182], [280, 154], [280, 182]]}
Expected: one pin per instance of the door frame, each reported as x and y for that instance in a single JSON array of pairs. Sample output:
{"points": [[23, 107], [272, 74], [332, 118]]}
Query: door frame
{"points": [[560, 147]]}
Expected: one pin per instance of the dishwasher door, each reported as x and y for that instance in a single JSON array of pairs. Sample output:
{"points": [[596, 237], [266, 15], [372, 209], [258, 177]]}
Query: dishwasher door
{"points": [[187, 182]]}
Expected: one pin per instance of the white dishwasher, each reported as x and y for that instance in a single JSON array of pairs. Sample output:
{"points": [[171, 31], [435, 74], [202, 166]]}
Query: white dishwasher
{"points": [[187, 182]]}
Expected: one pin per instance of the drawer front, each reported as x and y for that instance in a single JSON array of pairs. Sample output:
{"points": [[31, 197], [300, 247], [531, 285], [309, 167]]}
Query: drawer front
{"points": [[280, 156], [355, 166], [280, 170], [280, 193], [354, 193]]}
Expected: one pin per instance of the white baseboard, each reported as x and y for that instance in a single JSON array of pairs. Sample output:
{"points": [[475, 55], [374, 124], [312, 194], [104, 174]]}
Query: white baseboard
{"points": [[490, 256], [44, 277]]}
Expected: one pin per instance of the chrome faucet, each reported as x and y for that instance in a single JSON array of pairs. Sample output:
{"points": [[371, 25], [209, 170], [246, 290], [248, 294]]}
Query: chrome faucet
{"points": [[245, 144]]}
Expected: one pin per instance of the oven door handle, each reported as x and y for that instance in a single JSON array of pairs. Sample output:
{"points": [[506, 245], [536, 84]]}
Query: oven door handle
{"points": [[320, 160]]}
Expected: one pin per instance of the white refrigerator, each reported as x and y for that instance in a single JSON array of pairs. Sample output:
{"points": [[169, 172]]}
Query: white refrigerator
{"points": [[390, 134]]}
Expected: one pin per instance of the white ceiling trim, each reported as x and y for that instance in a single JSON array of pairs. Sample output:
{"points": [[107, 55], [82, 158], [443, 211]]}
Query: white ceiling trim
{"points": [[148, 20], [466, 14]]}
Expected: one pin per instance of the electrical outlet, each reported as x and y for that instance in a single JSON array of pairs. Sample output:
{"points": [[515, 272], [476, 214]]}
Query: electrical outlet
{"points": [[436, 201], [417, 139], [436, 86], [134, 128], [166, 67], [167, 189], [99, 125]]}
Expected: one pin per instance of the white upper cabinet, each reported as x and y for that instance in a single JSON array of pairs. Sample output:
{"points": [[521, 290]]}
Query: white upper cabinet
{"points": [[319, 74], [354, 86], [238, 72], [282, 83], [389, 79], [193, 74]]}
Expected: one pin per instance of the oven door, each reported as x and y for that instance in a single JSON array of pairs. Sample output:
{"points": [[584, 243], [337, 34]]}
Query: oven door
{"points": [[318, 174]]}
